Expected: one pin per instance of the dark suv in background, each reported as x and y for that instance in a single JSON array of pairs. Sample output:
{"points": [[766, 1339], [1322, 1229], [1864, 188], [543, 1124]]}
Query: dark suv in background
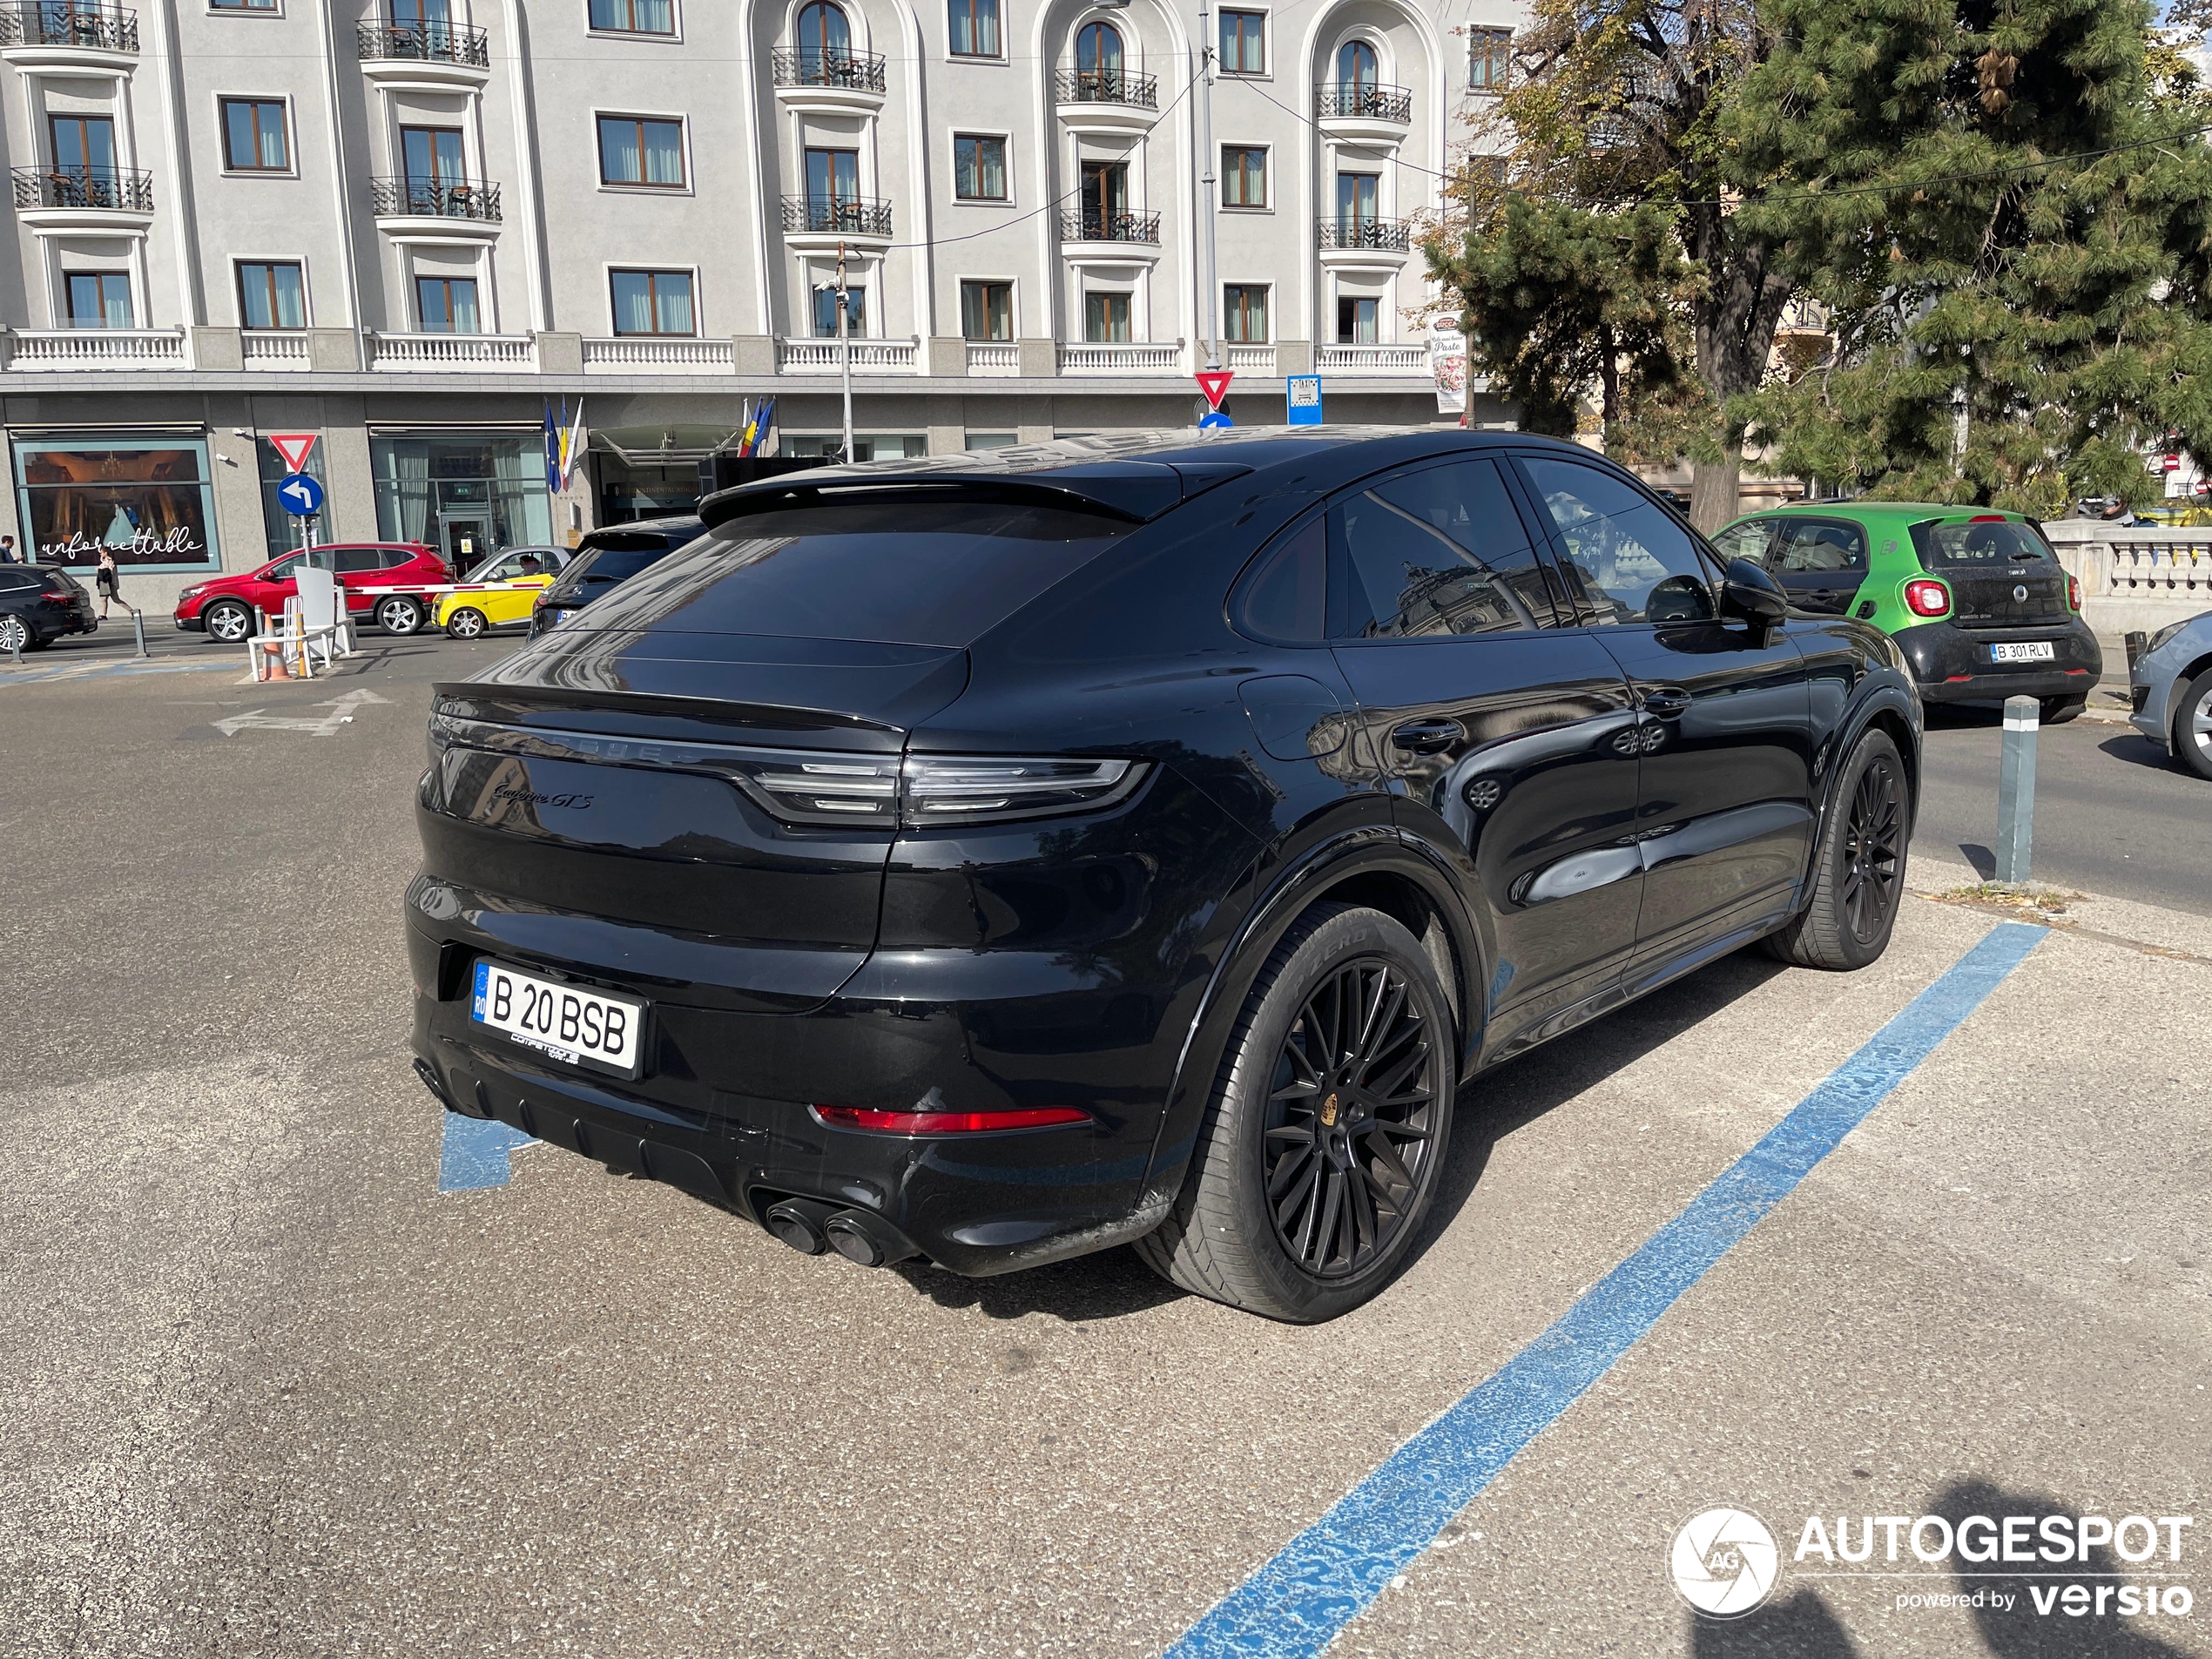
{"points": [[999, 858], [604, 559]]}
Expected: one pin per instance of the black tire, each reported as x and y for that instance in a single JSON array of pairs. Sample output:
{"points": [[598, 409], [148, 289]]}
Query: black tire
{"points": [[466, 623], [228, 623], [1859, 869], [2192, 733], [2057, 711], [398, 614], [1302, 1211]]}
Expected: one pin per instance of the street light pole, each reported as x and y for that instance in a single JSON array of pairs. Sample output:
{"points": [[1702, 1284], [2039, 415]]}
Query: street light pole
{"points": [[843, 354], [1210, 309]]}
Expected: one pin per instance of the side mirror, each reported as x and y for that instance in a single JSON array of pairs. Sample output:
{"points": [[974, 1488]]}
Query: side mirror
{"points": [[1749, 593]]}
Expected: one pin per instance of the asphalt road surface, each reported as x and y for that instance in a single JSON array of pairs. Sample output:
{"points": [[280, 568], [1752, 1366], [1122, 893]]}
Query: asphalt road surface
{"points": [[265, 1389]]}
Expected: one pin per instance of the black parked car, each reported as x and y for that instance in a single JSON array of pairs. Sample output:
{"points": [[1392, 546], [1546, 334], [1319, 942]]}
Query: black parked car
{"points": [[606, 557], [39, 603], [998, 858]]}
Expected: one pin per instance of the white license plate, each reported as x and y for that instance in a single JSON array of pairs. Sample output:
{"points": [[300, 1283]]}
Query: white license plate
{"points": [[560, 616], [582, 1027], [2025, 650]]}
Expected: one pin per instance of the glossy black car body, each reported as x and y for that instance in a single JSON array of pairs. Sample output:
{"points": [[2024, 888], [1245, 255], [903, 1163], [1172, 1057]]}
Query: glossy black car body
{"points": [[44, 603], [607, 557], [1565, 809]]}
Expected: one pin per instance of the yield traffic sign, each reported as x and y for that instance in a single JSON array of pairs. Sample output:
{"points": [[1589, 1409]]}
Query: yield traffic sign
{"points": [[294, 446], [1214, 382]]}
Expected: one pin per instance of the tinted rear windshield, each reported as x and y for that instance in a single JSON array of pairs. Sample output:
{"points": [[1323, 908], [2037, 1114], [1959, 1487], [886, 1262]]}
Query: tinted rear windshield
{"points": [[615, 563], [1964, 543], [923, 573]]}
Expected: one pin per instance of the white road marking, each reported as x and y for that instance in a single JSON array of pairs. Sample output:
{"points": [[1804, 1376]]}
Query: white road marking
{"points": [[341, 710]]}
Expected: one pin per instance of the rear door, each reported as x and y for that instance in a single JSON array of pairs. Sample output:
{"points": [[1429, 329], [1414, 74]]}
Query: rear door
{"points": [[1509, 740], [359, 567], [1820, 561], [2001, 574], [1725, 815]]}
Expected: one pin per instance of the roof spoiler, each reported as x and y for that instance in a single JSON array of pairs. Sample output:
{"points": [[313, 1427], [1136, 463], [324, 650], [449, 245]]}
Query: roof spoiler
{"points": [[1134, 492]]}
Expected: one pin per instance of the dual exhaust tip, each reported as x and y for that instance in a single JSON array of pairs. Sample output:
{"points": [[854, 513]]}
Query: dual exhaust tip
{"points": [[812, 1227]]}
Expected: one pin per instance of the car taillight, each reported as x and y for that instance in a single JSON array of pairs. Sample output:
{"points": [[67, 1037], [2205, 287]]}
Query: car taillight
{"points": [[2073, 593], [58, 596], [948, 1123], [1927, 598], [927, 789]]}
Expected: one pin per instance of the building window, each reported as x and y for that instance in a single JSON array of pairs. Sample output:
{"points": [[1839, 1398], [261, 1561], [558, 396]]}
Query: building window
{"points": [[1106, 318], [654, 302], [435, 170], [1243, 43], [84, 147], [1489, 59], [832, 187], [99, 300], [146, 500], [1358, 321], [447, 489], [856, 313], [979, 440], [1358, 69], [987, 310], [633, 150], [254, 136], [1244, 176], [242, 6], [825, 41], [1359, 202], [978, 168], [1243, 314], [1098, 61], [975, 28], [635, 16], [446, 305], [270, 294]]}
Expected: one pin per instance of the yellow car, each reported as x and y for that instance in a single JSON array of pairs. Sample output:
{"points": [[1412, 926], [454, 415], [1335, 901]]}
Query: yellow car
{"points": [[499, 592]]}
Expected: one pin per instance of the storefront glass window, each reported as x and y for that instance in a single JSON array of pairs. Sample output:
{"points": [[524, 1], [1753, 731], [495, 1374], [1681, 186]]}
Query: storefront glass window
{"points": [[283, 528], [867, 446], [486, 490], [146, 498]]}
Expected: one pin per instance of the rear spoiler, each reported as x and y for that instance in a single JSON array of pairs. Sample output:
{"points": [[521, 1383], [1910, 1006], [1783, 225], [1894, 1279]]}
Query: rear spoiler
{"points": [[1133, 491]]}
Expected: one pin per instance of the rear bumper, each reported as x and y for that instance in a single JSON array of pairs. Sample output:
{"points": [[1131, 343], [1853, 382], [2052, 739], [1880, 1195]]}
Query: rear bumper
{"points": [[1952, 663]]}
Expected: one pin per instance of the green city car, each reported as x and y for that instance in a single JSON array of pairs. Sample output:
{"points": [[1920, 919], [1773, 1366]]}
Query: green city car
{"points": [[1976, 600]]}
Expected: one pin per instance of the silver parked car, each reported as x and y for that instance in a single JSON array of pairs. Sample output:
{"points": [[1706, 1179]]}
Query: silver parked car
{"points": [[2171, 688]]}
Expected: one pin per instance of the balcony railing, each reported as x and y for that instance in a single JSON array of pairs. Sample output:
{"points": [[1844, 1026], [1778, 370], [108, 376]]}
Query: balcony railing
{"points": [[72, 348], [128, 192], [1384, 235], [659, 354], [60, 24], [1083, 225], [1107, 87], [273, 349], [869, 356], [1362, 101], [381, 40], [847, 71], [1373, 360], [1249, 359], [994, 357], [434, 199], [1120, 357], [838, 215], [496, 353]]}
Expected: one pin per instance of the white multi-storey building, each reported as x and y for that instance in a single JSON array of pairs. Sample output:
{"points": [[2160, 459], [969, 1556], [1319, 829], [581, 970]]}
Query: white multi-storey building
{"points": [[407, 228]]}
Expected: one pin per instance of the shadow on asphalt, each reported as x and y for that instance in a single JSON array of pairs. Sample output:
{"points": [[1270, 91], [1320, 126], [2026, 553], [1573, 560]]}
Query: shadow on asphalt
{"points": [[1800, 1628], [2138, 750]]}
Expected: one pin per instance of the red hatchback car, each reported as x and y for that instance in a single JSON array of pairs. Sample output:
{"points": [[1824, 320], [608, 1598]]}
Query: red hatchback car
{"points": [[222, 606]]}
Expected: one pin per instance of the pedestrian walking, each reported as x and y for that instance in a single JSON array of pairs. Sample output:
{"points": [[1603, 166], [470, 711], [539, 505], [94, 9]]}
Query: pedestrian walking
{"points": [[110, 582], [8, 555]]}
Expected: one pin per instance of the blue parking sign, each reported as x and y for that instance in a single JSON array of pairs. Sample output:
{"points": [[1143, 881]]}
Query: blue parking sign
{"points": [[1305, 391]]}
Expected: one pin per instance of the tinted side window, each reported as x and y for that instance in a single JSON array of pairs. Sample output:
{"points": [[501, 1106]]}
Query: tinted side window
{"points": [[389, 557], [1628, 555], [283, 570], [352, 560], [1745, 541], [1287, 596], [11, 580], [1439, 551], [1808, 547]]}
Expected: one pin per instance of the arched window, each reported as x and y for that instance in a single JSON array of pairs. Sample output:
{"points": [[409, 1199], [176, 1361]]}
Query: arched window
{"points": [[1098, 60], [1357, 66], [825, 42]]}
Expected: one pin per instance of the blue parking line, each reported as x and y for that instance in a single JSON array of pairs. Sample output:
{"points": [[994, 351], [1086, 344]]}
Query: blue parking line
{"points": [[1331, 1573], [474, 1153]]}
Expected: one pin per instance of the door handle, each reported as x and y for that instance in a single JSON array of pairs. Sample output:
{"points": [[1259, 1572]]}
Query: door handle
{"points": [[1426, 736], [1666, 704]]}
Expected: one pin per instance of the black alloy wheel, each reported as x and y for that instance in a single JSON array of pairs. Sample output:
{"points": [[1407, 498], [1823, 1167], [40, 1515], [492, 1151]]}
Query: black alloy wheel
{"points": [[1350, 1119], [1873, 851]]}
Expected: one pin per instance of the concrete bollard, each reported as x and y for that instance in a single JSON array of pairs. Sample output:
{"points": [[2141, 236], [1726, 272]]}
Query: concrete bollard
{"points": [[139, 627], [2016, 789]]}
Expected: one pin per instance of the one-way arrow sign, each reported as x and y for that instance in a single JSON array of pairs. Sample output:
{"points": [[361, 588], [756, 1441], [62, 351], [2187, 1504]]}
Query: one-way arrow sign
{"points": [[301, 495], [341, 710]]}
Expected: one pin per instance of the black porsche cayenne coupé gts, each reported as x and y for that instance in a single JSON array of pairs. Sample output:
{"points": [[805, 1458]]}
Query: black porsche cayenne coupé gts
{"points": [[1001, 857]]}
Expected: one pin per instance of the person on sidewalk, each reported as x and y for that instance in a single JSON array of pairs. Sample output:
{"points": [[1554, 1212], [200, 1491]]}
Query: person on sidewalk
{"points": [[8, 554]]}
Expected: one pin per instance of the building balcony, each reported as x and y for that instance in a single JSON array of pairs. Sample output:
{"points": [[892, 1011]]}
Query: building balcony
{"points": [[1106, 100], [1350, 240], [70, 349], [1361, 111], [816, 356], [453, 354], [1392, 360], [435, 211], [1249, 359], [829, 83], [994, 357], [822, 222], [284, 350], [55, 200], [68, 34], [1109, 237], [659, 354], [433, 55], [1121, 357]]}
